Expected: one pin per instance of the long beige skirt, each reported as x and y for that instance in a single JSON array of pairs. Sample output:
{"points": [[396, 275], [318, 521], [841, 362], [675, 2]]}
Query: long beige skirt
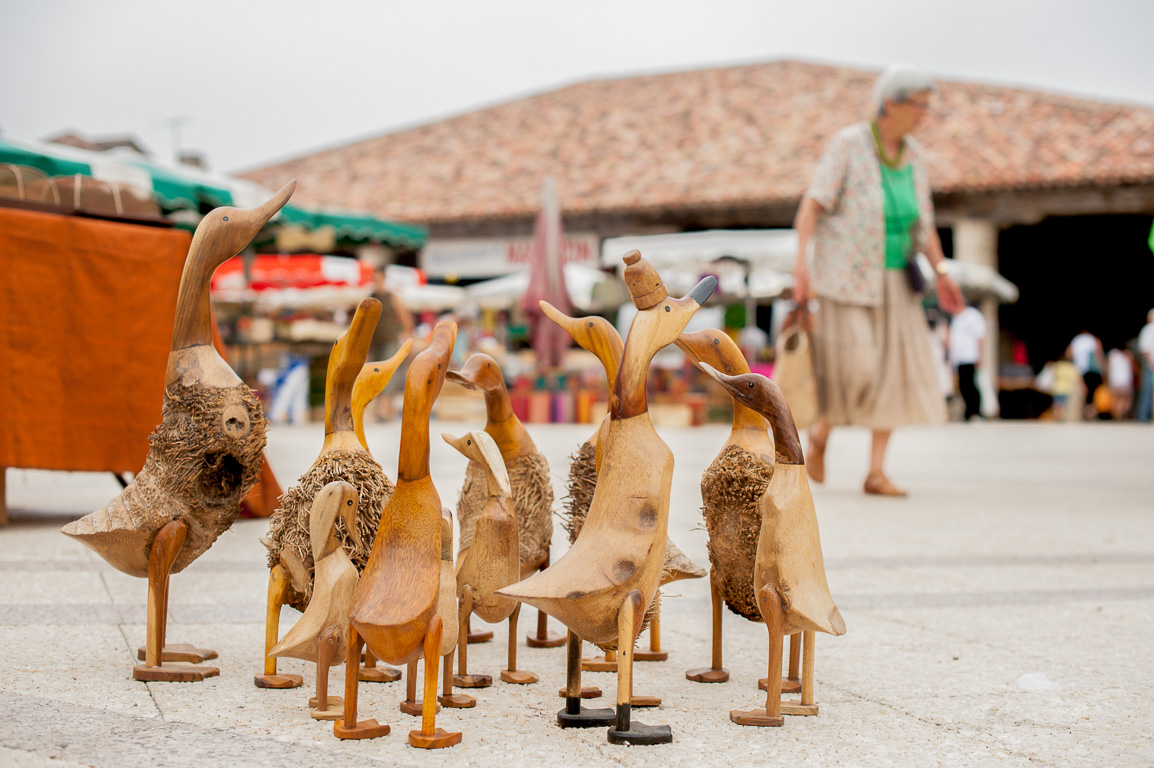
{"points": [[874, 365]]}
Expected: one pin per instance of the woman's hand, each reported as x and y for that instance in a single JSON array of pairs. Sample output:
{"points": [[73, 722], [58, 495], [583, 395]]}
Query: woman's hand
{"points": [[950, 295], [801, 284]]}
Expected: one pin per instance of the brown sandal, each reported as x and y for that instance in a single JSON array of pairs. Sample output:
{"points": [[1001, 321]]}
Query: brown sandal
{"points": [[878, 484], [815, 461]]}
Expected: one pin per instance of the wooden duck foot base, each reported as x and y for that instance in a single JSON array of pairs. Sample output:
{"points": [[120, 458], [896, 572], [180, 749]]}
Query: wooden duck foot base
{"points": [[180, 652], [472, 681], [277, 681], [587, 692], [650, 655], [797, 708], [364, 729], [756, 717], [379, 675], [337, 700], [456, 700], [334, 711], [518, 677], [599, 664], [480, 637], [787, 685], [645, 701], [414, 708], [576, 716], [548, 640], [173, 672], [707, 675], [642, 735], [438, 739]]}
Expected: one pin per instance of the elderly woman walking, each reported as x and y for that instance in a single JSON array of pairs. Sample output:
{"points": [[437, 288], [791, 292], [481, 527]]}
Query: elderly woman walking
{"points": [[867, 212]]}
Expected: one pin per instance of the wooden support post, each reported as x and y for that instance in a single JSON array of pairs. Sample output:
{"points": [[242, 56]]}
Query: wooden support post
{"points": [[806, 706], [512, 674], [715, 673], [625, 730], [364, 729], [431, 737], [278, 586], [574, 715], [769, 601]]}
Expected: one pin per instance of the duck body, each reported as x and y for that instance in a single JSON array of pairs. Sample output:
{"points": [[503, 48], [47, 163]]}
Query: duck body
{"points": [[205, 455]]}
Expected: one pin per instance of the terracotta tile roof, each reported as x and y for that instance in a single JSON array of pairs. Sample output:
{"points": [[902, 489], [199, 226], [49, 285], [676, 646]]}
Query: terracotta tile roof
{"points": [[735, 136]]}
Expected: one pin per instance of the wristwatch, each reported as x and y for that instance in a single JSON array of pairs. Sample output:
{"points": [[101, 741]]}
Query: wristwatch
{"points": [[940, 268]]}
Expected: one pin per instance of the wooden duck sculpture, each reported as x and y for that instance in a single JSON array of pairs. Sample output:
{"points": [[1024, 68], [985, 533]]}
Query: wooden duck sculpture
{"points": [[597, 335], [342, 457], [603, 584], [530, 484], [789, 573], [370, 383], [319, 636], [395, 608], [491, 562], [731, 490], [203, 457]]}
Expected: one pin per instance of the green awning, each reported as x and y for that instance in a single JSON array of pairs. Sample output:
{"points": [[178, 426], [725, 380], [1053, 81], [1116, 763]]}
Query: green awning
{"points": [[356, 226]]}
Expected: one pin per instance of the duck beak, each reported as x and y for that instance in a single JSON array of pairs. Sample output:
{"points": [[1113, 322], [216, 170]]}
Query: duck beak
{"points": [[453, 441], [719, 377], [703, 290], [558, 317], [251, 220], [471, 373]]}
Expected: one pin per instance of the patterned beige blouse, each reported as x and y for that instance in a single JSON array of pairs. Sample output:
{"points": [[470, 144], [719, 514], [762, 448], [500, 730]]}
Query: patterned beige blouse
{"points": [[850, 240]]}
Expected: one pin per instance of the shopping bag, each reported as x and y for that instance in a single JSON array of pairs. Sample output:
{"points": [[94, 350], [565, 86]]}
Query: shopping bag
{"points": [[793, 370]]}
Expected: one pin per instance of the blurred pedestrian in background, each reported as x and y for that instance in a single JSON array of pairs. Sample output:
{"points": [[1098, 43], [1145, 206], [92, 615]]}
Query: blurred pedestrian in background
{"points": [[1146, 355], [967, 332], [1085, 351], [867, 211], [393, 329], [1120, 379]]}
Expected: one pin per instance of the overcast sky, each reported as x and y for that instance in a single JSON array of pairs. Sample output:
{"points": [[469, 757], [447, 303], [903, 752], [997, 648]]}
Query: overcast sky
{"points": [[259, 81]]}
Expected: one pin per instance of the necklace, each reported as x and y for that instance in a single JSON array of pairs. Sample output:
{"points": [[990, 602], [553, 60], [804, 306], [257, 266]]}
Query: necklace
{"points": [[893, 162]]}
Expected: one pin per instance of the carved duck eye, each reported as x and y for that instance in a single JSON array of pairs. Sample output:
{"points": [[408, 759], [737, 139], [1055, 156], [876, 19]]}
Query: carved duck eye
{"points": [[349, 503], [468, 442], [590, 324], [751, 385], [226, 218], [667, 309]]}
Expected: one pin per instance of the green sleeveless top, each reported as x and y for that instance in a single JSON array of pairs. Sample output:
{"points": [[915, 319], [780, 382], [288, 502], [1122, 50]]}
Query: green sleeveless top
{"points": [[901, 211]]}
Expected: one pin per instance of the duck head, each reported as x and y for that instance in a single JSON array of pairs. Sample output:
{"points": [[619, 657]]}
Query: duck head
{"points": [[345, 363], [594, 334], [759, 394], [481, 448], [480, 372], [337, 499], [422, 386], [370, 382]]}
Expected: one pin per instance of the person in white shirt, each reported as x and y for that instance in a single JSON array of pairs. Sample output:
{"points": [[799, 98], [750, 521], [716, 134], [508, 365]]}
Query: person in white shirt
{"points": [[1085, 351], [1146, 350], [967, 331]]}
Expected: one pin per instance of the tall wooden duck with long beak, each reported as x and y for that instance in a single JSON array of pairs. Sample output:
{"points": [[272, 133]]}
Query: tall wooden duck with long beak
{"points": [[789, 572], [491, 562], [320, 634], [731, 491], [203, 457], [395, 609], [530, 487], [342, 457], [602, 586], [597, 335]]}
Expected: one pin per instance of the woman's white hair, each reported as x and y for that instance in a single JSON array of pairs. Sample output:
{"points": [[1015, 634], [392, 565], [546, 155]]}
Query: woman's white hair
{"points": [[898, 82]]}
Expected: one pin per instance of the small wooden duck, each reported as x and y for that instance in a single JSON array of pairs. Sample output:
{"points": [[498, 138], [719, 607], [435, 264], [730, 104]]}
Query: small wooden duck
{"points": [[789, 573], [531, 487], [597, 335], [319, 635], [603, 584], [342, 457], [491, 562], [731, 490], [395, 608], [203, 457]]}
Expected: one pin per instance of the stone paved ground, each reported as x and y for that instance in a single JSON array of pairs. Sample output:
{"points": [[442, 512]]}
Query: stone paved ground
{"points": [[1001, 615]]}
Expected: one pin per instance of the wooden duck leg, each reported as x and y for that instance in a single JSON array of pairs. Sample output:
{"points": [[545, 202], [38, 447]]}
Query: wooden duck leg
{"points": [[178, 651], [326, 707], [624, 730], [769, 601], [278, 586], [512, 674], [371, 673], [715, 673], [574, 715], [447, 697], [483, 636], [463, 679], [542, 637], [431, 737], [165, 547], [791, 683], [654, 653], [806, 706], [363, 729]]}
